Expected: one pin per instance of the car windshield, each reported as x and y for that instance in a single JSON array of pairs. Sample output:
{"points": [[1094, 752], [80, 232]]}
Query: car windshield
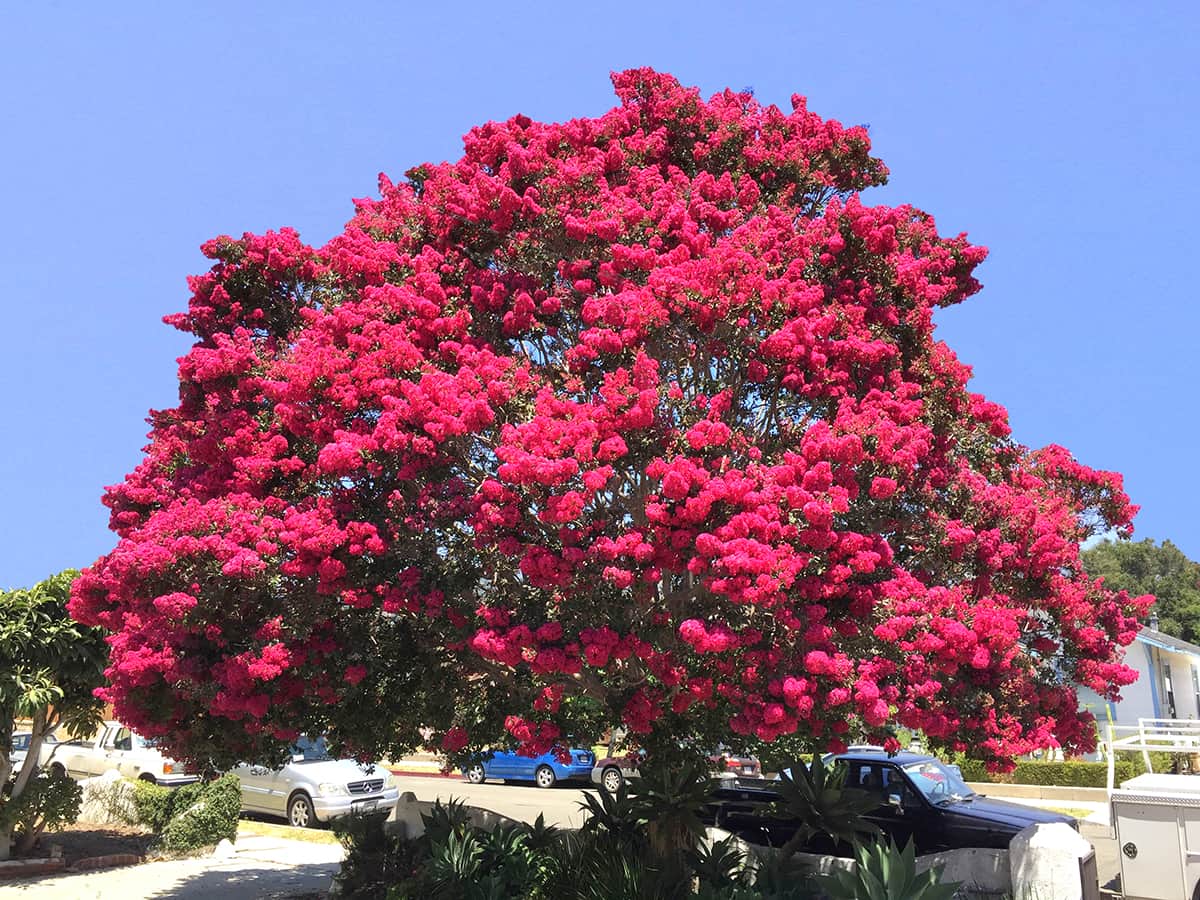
{"points": [[937, 782], [310, 749], [141, 743]]}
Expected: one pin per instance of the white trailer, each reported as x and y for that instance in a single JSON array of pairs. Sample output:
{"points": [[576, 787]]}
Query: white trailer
{"points": [[1156, 816]]}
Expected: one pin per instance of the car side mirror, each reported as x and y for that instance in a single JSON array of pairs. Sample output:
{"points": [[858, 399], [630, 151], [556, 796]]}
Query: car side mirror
{"points": [[896, 802]]}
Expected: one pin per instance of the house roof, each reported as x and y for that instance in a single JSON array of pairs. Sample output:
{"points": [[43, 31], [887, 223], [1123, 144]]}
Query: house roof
{"points": [[1167, 642]]}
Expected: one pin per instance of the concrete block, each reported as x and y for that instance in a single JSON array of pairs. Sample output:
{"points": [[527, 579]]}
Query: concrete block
{"points": [[406, 818], [1044, 862], [978, 870]]}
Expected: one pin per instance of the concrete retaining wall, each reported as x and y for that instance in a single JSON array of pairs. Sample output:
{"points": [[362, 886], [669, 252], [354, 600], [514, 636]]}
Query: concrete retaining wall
{"points": [[1039, 792], [407, 816], [982, 873]]}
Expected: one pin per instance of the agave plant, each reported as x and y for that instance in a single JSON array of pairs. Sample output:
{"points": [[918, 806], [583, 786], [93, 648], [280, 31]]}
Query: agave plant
{"points": [[455, 861], [443, 820], [619, 816], [718, 865], [540, 836], [816, 798], [884, 872], [671, 801], [780, 877], [620, 876]]}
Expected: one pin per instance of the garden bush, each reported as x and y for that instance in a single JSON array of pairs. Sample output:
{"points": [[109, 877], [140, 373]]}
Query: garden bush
{"points": [[610, 858], [190, 817], [1066, 773], [48, 803]]}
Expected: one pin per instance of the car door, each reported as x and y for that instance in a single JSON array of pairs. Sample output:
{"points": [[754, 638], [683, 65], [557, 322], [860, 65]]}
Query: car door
{"points": [[278, 784], [898, 808], [118, 752], [904, 815], [91, 761], [253, 779], [501, 765]]}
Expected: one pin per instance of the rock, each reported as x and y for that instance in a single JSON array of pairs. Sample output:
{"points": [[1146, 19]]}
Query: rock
{"points": [[224, 850], [1044, 862]]}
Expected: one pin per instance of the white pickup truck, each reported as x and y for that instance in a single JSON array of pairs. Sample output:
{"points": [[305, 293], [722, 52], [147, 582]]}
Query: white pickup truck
{"points": [[116, 747]]}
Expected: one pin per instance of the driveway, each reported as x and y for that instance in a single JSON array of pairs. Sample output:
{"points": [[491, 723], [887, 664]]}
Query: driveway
{"points": [[260, 867]]}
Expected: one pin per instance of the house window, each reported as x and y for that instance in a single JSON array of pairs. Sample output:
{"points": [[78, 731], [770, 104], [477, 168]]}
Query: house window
{"points": [[1196, 687], [1167, 690]]}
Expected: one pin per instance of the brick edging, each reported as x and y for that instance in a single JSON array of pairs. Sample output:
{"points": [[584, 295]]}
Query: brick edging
{"points": [[108, 861], [21, 868]]}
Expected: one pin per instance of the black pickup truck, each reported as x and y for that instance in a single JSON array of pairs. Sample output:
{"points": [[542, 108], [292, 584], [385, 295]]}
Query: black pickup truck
{"points": [[920, 799]]}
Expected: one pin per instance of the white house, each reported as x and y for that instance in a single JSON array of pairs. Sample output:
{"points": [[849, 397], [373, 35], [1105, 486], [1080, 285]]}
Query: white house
{"points": [[1168, 684]]}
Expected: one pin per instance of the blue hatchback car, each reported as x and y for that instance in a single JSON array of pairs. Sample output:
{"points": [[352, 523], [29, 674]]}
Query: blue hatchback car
{"points": [[545, 771]]}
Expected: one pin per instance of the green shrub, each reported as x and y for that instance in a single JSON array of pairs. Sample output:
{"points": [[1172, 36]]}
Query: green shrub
{"points": [[47, 804], [1162, 762], [209, 818], [885, 872], [1067, 773], [375, 858], [189, 817], [1070, 773], [152, 805], [972, 769]]}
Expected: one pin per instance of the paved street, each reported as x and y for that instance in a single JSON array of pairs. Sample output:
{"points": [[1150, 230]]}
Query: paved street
{"points": [[520, 801], [261, 867]]}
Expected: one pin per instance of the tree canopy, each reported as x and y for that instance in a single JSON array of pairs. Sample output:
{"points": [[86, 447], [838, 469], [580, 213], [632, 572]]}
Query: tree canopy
{"points": [[641, 413], [1144, 567]]}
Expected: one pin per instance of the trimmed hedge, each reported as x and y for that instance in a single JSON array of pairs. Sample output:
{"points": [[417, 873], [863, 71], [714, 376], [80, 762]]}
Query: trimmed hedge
{"points": [[1068, 773], [190, 817]]}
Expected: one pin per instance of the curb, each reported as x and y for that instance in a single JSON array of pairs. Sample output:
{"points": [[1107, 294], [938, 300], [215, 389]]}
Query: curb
{"points": [[425, 773], [20, 868], [111, 861]]}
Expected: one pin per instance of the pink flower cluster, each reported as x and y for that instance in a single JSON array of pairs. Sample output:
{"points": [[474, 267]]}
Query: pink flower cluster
{"points": [[646, 407]]}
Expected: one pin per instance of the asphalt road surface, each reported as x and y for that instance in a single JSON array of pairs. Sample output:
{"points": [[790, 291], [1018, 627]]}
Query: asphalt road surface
{"points": [[519, 800]]}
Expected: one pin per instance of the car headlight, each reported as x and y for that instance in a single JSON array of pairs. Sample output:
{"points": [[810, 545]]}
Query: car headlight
{"points": [[392, 782], [330, 789]]}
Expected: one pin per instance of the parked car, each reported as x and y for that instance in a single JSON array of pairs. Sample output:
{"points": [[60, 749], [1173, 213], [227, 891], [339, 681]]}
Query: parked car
{"points": [[612, 771], [314, 787], [828, 758], [20, 747], [545, 771], [920, 799], [116, 747]]}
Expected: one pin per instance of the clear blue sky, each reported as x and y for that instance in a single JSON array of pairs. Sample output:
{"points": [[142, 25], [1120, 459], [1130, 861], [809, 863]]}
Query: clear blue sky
{"points": [[1063, 136]]}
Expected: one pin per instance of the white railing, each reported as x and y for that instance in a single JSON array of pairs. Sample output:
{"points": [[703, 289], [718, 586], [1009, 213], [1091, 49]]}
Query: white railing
{"points": [[1151, 735]]}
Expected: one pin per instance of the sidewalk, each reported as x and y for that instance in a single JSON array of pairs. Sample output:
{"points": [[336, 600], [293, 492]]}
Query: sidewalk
{"points": [[1097, 812], [260, 867], [420, 763]]}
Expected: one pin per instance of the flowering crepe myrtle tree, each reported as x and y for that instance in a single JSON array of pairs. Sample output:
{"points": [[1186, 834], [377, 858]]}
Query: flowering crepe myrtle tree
{"points": [[637, 419]]}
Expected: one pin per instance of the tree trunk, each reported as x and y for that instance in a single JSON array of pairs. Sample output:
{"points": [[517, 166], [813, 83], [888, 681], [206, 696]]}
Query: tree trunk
{"points": [[668, 835], [28, 839], [38, 731], [36, 739]]}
